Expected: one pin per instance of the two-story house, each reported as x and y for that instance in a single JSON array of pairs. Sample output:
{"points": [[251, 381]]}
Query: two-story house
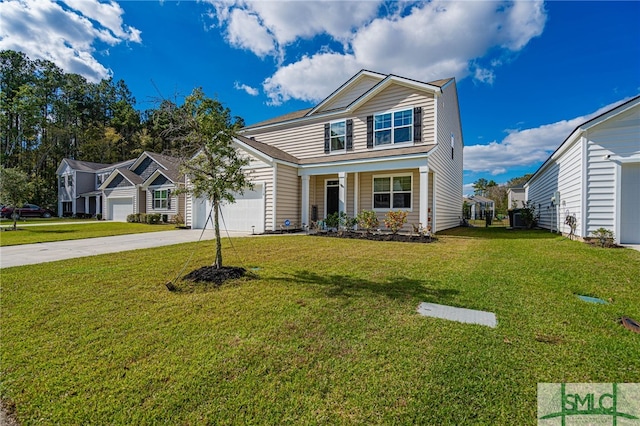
{"points": [[77, 186], [379, 142], [146, 184]]}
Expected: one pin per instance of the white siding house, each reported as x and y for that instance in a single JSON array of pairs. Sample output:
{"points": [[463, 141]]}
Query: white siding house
{"points": [[594, 175], [379, 142]]}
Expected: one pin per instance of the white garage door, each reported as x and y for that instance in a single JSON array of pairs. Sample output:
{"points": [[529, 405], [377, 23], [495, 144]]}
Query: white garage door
{"points": [[630, 204], [120, 208], [246, 214]]}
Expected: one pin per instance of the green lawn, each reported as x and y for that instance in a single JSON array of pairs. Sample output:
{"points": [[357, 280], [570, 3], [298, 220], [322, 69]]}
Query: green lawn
{"points": [[328, 333], [68, 231]]}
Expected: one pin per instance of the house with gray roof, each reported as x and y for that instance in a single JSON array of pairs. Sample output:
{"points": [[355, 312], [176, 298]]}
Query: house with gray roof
{"points": [[379, 142], [146, 184]]}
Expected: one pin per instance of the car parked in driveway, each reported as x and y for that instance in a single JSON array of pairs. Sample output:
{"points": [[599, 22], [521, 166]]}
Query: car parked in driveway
{"points": [[27, 210]]}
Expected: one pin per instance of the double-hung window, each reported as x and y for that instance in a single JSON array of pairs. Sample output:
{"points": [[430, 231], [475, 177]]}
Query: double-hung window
{"points": [[393, 127], [392, 192], [338, 135], [160, 197]]}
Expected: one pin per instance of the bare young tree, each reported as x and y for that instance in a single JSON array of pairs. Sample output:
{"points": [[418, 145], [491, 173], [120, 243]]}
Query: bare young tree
{"points": [[215, 169]]}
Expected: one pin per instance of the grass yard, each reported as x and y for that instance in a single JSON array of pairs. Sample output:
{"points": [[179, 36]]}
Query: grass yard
{"points": [[328, 334], [48, 233]]}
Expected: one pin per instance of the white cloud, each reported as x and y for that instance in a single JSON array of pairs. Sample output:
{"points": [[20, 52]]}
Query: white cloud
{"points": [[64, 34], [301, 80], [250, 90], [268, 27], [245, 31], [421, 40], [523, 147]]}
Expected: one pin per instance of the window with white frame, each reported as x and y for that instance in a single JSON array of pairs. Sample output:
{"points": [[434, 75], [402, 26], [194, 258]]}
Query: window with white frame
{"points": [[338, 135], [392, 192], [393, 127], [160, 197]]}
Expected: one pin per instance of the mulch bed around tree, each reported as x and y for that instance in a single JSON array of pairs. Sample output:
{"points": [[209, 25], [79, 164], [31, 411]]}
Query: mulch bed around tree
{"points": [[405, 238], [214, 275]]}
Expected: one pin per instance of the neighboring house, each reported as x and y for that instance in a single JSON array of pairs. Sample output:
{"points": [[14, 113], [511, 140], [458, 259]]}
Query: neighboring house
{"points": [[146, 184], [379, 142], [478, 207], [594, 175], [77, 186], [516, 196]]}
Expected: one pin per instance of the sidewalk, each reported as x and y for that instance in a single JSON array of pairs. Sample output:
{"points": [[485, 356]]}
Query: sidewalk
{"points": [[30, 254]]}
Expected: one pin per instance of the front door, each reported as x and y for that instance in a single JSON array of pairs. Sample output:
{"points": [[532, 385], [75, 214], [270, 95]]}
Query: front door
{"points": [[332, 197]]}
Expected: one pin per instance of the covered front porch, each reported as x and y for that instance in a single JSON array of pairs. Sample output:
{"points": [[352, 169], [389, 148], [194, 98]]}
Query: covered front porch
{"points": [[401, 184]]}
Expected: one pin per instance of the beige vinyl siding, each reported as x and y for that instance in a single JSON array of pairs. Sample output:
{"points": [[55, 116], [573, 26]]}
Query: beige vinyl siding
{"points": [[346, 98], [350, 194], [287, 195], [265, 175], [394, 97], [318, 192], [447, 172], [307, 140]]}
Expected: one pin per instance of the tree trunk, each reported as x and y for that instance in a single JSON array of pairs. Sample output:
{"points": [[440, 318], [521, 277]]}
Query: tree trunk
{"points": [[216, 226]]}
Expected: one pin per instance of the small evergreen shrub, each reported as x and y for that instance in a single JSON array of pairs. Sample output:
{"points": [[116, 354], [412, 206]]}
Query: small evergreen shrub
{"points": [[604, 237], [151, 218]]}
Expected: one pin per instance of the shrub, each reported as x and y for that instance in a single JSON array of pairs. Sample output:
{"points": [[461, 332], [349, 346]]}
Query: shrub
{"points": [[604, 237], [178, 219], [133, 218], [395, 220], [99, 216], [152, 218], [339, 220], [367, 220], [528, 214]]}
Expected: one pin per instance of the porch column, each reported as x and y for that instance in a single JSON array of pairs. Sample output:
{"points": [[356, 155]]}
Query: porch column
{"points": [[342, 192], [99, 204], [424, 195], [305, 200], [356, 192], [86, 204]]}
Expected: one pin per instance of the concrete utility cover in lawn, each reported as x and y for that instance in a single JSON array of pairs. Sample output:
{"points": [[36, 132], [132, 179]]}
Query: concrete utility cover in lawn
{"points": [[458, 314]]}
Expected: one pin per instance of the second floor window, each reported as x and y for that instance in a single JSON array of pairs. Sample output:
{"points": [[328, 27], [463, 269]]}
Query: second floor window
{"points": [[338, 135], [393, 127], [160, 197]]}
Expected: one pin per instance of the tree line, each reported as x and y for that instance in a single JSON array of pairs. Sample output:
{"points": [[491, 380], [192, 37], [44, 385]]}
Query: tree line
{"points": [[47, 115]]}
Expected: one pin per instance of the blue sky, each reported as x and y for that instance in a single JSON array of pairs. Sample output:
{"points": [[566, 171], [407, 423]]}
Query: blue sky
{"points": [[528, 72]]}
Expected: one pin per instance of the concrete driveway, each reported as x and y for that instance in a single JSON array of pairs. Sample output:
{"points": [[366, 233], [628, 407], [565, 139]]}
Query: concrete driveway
{"points": [[29, 254]]}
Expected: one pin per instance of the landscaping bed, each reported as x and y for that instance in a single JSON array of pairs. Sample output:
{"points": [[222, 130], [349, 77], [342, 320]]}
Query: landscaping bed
{"points": [[376, 236]]}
